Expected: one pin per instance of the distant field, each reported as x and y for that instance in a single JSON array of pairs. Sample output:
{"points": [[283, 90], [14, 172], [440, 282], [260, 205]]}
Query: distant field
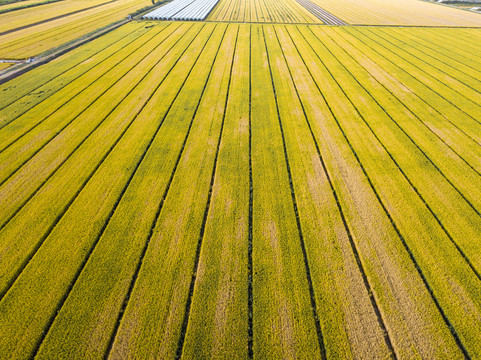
{"points": [[29, 32], [227, 190], [360, 12], [14, 20], [54, 25], [395, 12], [20, 3], [283, 11]]}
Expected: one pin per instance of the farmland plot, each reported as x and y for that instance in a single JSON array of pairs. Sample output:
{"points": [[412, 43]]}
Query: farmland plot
{"points": [[285, 11], [221, 190], [29, 32], [394, 12], [16, 4]]}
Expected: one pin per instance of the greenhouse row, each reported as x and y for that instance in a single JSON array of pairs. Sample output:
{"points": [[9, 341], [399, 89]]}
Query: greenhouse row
{"points": [[183, 10]]}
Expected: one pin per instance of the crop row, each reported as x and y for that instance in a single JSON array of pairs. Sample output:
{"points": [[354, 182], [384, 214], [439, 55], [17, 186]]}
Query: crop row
{"points": [[231, 190], [285, 11]]}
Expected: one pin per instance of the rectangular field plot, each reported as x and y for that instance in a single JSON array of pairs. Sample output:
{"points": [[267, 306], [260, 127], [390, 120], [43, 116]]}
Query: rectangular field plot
{"points": [[29, 32], [399, 12], [17, 5], [269, 11], [213, 190]]}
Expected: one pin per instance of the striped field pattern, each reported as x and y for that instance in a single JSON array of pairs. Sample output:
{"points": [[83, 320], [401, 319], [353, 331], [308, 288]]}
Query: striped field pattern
{"points": [[232, 191], [270, 11], [29, 32], [395, 12]]}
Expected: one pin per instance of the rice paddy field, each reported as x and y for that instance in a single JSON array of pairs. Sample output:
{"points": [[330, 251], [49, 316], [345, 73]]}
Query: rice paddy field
{"points": [[256, 185], [355, 12], [394, 12], [9, 6], [28, 32], [286, 11]]}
